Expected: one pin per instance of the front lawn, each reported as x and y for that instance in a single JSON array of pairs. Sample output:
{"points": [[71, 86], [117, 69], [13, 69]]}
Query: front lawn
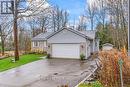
{"points": [[93, 84], [6, 64]]}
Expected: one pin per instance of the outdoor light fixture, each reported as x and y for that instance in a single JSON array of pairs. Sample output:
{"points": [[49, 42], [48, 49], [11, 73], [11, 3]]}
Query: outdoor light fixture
{"points": [[7, 7], [82, 46]]}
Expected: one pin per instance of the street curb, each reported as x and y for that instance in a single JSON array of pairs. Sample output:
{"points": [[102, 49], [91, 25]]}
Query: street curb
{"points": [[86, 77]]}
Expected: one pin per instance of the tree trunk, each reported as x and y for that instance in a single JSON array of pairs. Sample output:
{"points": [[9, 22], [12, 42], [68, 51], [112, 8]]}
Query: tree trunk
{"points": [[16, 33], [2, 41], [3, 46], [91, 23]]}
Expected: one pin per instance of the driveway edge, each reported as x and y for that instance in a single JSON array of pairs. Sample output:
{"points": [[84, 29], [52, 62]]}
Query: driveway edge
{"points": [[87, 77]]}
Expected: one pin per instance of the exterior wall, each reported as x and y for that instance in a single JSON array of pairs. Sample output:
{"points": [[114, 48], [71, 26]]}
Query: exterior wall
{"points": [[83, 49], [49, 49], [42, 46], [97, 46], [91, 46], [88, 48], [107, 48], [66, 36], [94, 45]]}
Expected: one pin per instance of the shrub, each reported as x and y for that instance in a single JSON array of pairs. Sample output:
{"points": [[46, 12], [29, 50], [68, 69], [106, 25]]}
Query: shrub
{"points": [[31, 52], [82, 57], [97, 84], [109, 74], [48, 56], [34, 52]]}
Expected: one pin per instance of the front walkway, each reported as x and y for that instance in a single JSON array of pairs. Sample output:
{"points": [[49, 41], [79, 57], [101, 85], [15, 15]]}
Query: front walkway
{"points": [[47, 73]]}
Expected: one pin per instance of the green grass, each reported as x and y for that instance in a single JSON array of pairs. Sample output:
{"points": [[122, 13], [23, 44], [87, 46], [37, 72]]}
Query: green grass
{"points": [[93, 84], [6, 64]]}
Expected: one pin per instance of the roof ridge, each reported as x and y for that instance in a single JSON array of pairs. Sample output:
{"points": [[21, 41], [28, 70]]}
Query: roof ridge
{"points": [[72, 30]]}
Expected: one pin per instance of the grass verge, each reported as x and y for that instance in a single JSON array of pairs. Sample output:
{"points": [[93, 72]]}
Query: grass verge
{"points": [[6, 64], [93, 84]]}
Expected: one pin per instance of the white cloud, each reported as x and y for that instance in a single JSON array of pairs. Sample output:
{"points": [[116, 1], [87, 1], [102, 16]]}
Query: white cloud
{"points": [[91, 4]]}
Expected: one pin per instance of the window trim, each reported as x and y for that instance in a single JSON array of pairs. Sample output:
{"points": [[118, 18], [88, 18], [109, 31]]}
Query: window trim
{"points": [[34, 44]]}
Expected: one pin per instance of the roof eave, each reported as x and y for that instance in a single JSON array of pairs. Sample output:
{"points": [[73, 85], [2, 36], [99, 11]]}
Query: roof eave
{"points": [[72, 30], [38, 39]]}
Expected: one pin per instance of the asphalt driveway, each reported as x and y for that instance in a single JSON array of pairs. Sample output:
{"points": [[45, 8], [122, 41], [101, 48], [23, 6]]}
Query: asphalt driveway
{"points": [[47, 73]]}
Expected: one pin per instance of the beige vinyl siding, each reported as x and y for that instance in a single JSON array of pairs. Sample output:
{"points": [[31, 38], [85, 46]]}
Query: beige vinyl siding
{"points": [[41, 46]]}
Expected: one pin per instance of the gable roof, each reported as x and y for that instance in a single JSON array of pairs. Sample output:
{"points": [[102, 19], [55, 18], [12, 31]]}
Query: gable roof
{"points": [[41, 37], [89, 34], [84, 34], [107, 44]]}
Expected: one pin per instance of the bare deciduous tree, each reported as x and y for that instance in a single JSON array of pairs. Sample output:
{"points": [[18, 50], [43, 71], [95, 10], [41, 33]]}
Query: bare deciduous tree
{"points": [[91, 13]]}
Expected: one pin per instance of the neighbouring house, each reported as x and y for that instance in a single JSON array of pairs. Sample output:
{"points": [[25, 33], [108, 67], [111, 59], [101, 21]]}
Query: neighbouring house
{"points": [[67, 43], [107, 46]]}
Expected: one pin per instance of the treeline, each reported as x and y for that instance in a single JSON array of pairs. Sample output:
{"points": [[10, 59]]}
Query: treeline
{"points": [[38, 17], [108, 17], [112, 22]]}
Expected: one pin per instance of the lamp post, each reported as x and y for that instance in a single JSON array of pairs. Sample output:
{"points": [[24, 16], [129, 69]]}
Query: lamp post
{"points": [[120, 62]]}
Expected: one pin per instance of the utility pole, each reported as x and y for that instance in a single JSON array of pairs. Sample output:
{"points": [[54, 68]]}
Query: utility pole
{"points": [[16, 31]]}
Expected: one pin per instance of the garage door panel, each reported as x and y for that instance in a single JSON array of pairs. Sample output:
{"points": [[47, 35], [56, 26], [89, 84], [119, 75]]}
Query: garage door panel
{"points": [[65, 50]]}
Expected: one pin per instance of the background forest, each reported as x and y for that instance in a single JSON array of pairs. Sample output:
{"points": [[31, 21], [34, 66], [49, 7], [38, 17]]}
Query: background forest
{"points": [[108, 17]]}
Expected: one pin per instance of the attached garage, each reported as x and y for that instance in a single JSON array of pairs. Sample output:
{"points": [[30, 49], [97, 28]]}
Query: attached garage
{"points": [[66, 51], [69, 43]]}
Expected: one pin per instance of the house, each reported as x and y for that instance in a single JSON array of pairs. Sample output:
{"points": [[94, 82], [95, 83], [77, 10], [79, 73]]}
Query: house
{"points": [[67, 43], [107, 46], [39, 42]]}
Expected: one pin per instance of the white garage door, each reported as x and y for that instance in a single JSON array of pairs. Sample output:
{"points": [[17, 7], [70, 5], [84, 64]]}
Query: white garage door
{"points": [[66, 50]]}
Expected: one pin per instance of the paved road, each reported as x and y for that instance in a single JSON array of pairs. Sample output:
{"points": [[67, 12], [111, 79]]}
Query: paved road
{"points": [[47, 73]]}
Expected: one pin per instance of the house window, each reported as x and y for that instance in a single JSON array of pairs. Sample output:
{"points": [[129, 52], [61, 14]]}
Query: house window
{"points": [[35, 44]]}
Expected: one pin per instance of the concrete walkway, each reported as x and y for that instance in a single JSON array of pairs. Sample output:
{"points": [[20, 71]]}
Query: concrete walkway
{"points": [[47, 73]]}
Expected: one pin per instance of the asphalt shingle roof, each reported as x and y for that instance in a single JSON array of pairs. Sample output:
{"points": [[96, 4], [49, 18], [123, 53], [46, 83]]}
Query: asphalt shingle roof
{"points": [[41, 37], [87, 34]]}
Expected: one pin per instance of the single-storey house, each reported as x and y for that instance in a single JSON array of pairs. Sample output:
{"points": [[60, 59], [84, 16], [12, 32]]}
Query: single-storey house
{"points": [[39, 42], [67, 43], [107, 46]]}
